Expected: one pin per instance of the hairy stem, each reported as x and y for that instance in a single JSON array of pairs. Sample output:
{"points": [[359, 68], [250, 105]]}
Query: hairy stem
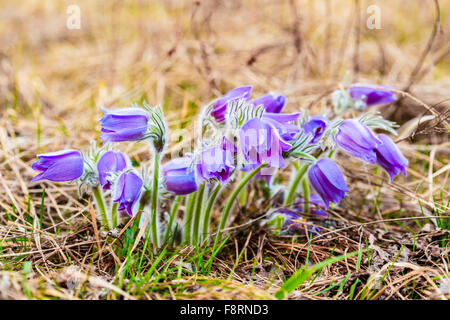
{"points": [[207, 216], [98, 195], [305, 186], [295, 182], [154, 215], [198, 212], [114, 216], [188, 217], [173, 213]]}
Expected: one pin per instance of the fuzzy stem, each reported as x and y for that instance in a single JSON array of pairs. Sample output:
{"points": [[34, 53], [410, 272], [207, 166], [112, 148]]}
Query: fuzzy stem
{"points": [[173, 213], [98, 195], [198, 211], [207, 216], [230, 202], [294, 184], [114, 216], [305, 186], [188, 217], [154, 215]]}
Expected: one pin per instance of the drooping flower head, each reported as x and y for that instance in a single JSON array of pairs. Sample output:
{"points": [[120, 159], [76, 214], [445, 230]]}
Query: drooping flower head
{"points": [[372, 96], [179, 177], [271, 103], [64, 165], [110, 162], [358, 140], [261, 142], [128, 191], [390, 158], [316, 126], [220, 106], [328, 180], [124, 124], [217, 162]]}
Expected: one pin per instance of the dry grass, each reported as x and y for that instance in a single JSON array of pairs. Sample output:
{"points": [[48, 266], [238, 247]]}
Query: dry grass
{"points": [[181, 54]]}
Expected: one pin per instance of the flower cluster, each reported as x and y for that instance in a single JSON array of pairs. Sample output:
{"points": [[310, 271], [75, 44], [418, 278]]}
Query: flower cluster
{"points": [[251, 136]]}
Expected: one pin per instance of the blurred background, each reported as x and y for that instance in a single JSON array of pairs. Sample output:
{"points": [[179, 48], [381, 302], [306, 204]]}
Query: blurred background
{"points": [[61, 60]]}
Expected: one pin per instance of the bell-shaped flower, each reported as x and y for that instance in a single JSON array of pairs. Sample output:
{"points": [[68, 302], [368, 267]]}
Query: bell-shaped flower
{"points": [[316, 126], [64, 165], [220, 105], [390, 158], [291, 222], [128, 191], [179, 176], [283, 122], [358, 140], [271, 103], [261, 142], [217, 162], [124, 124], [110, 162], [372, 96], [328, 180]]}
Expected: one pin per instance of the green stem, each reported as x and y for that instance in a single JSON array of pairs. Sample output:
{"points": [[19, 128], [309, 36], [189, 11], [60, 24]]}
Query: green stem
{"points": [[173, 213], [188, 217], [305, 186], [230, 202], [243, 195], [294, 184], [207, 216], [97, 192], [198, 212], [114, 217], [154, 215]]}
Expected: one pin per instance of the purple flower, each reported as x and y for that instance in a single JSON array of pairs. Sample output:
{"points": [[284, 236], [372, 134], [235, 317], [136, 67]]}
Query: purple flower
{"points": [[261, 142], [124, 124], [390, 158], [295, 223], [179, 178], [217, 162], [372, 96], [64, 165], [108, 163], [316, 201], [220, 106], [128, 191], [316, 126], [282, 122], [270, 102], [328, 180], [357, 139]]}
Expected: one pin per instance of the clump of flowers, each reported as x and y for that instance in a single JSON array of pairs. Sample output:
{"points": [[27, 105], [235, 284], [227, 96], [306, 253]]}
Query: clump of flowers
{"points": [[242, 140]]}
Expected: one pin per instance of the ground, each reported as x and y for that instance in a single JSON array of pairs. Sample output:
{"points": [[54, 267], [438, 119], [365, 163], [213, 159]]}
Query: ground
{"points": [[181, 54]]}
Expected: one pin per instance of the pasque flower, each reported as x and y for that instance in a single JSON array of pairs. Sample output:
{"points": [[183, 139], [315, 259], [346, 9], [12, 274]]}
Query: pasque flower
{"points": [[217, 162], [220, 105], [294, 223], [64, 165], [124, 124], [179, 176], [271, 103], [127, 191], [328, 180], [372, 96], [261, 142], [390, 158], [358, 140], [283, 123], [316, 126], [110, 162]]}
